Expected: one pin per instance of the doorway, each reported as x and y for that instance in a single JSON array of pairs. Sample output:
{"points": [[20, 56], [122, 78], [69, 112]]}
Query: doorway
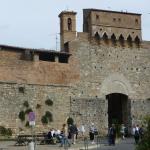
{"points": [[118, 110]]}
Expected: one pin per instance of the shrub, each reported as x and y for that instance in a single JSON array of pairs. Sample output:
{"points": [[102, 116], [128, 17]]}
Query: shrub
{"points": [[27, 124], [38, 106], [28, 110], [49, 102], [144, 144], [9, 132], [26, 104], [44, 120], [49, 116], [118, 128], [22, 115], [70, 121], [4, 131]]}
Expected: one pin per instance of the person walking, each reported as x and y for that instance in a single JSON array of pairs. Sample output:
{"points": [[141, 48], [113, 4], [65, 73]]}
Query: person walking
{"points": [[136, 134], [82, 130], [73, 132], [112, 135], [141, 132], [122, 131], [64, 136], [92, 133]]}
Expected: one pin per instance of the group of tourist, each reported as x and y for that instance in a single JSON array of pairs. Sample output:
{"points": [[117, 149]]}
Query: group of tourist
{"points": [[137, 133], [69, 133]]}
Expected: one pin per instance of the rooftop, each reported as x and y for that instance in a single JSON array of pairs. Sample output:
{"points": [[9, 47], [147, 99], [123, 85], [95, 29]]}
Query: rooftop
{"points": [[110, 11]]}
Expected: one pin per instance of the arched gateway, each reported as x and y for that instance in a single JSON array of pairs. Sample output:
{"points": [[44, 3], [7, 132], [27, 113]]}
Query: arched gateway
{"points": [[118, 108], [117, 91]]}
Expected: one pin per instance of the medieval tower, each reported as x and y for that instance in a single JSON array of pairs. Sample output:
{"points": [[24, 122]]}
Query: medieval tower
{"points": [[67, 27]]}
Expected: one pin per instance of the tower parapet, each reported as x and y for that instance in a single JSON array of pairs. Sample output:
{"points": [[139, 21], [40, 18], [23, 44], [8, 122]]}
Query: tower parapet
{"points": [[112, 25]]}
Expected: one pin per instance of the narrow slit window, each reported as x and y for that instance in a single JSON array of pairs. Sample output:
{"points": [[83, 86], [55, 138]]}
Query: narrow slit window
{"points": [[69, 24]]}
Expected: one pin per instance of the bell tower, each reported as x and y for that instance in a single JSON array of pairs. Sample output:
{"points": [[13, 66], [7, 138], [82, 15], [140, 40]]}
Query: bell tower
{"points": [[67, 28]]}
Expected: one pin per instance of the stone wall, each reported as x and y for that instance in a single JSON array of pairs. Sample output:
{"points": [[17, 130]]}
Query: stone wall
{"points": [[14, 69], [90, 110], [12, 100], [79, 88], [106, 69]]}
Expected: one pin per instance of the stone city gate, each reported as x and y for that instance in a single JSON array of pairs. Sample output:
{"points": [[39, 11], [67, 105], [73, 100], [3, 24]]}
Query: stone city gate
{"points": [[112, 106], [117, 91]]}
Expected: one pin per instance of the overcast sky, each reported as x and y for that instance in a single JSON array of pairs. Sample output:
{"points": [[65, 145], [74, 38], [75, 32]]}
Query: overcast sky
{"points": [[35, 23]]}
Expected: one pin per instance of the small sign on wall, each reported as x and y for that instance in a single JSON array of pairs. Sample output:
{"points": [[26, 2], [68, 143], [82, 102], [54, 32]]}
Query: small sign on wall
{"points": [[32, 119]]}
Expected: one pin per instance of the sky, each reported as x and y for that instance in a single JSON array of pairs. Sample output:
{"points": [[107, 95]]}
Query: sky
{"points": [[35, 23]]}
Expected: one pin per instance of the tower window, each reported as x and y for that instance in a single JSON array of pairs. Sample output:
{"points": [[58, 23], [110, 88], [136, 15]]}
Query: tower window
{"points": [[136, 21], [114, 19], [119, 19], [69, 24], [97, 17]]}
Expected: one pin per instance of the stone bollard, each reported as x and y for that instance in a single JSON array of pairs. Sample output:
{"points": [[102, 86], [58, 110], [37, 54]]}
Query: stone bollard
{"points": [[31, 146]]}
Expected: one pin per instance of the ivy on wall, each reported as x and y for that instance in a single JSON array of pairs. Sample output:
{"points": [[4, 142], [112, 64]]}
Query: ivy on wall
{"points": [[45, 119], [49, 102], [23, 113]]}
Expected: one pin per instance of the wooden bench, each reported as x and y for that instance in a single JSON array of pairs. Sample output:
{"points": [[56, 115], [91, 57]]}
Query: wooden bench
{"points": [[38, 139], [22, 140]]}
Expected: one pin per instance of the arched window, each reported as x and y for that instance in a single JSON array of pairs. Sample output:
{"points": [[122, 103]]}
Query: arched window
{"points": [[105, 37], [113, 38], [129, 40], [69, 24], [121, 39], [97, 37], [137, 40]]}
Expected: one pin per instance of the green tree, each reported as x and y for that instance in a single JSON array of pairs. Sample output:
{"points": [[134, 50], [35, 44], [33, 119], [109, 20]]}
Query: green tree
{"points": [[144, 144]]}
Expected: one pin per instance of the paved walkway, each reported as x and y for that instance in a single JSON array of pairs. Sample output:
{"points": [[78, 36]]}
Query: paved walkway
{"points": [[127, 144]]}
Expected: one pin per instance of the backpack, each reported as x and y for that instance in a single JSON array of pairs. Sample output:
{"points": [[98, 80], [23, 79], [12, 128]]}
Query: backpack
{"points": [[141, 132], [136, 133], [111, 131]]}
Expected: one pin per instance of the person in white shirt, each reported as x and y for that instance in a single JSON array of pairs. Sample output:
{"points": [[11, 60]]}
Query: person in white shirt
{"points": [[82, 129]]}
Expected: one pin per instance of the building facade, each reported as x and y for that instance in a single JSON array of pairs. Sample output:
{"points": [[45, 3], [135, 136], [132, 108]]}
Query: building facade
{"points": [[101, 75]]}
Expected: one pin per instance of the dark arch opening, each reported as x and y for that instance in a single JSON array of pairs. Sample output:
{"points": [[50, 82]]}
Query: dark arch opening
{"points": [[97, 37], [113, 38], [129, 40], [121, 39], [137, 41], [105, 37], [118, 109], [69, 24]]}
